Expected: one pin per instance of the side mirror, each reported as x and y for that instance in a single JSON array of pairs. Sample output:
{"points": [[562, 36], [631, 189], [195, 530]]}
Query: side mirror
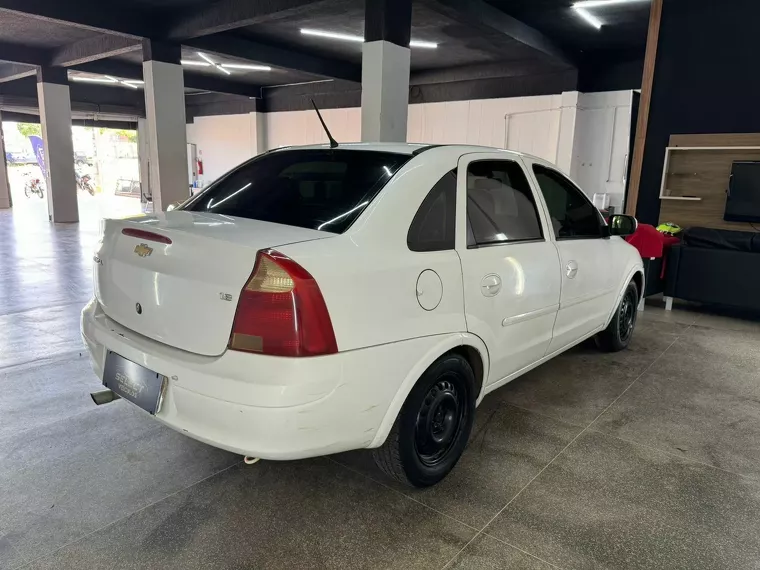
{"points": [[621, 225]]}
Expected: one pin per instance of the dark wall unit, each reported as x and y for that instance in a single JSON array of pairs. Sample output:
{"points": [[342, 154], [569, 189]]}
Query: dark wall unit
{"points": [[705, 81]]}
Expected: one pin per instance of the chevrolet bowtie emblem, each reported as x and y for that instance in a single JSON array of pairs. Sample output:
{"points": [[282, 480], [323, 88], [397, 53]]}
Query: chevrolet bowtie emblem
{"points": [[143, 250]]}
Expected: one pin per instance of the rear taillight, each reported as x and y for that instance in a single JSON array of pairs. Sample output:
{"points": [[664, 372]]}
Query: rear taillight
{"points": [[281, 311]]}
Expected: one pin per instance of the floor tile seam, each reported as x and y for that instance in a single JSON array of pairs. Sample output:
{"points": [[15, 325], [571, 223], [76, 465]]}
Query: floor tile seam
{"points": [[635, 380], [565, 448], [21, 311], [572, 441], [43, 361], [755, 480], [164, 498], [154, 428], [402, 494], [545, 415], [21, 563], [496, 538]]}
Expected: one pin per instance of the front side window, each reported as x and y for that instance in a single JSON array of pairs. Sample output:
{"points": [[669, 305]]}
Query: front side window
{"points": [[500, 204], [319, 189], [572, 214], [434, 224]]}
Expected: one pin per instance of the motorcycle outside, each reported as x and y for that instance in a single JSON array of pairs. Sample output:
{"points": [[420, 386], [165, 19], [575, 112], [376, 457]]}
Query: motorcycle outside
{"points": [[34, 185], [84, 182]]}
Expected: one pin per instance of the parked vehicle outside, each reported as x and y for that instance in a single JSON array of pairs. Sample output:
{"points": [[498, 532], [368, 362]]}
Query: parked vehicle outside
{"points": [[316, 300]]}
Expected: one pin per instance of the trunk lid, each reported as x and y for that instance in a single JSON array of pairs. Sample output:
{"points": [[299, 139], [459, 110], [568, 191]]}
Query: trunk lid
{"points": [[184, 293]]}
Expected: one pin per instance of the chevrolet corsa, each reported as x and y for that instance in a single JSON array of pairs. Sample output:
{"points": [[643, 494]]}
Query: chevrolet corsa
{"points": [[316, 300]]}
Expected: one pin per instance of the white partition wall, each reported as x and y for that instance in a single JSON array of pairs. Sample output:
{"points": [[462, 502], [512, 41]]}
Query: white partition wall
{"points": [[602, 136], [584, 134]]}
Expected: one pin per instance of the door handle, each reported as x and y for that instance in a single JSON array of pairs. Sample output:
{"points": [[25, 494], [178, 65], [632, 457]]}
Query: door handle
{"points": [[571, 269], [490, 285]]}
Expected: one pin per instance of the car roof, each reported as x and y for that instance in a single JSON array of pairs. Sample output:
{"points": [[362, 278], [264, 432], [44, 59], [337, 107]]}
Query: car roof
{"points": [[409, 148]]}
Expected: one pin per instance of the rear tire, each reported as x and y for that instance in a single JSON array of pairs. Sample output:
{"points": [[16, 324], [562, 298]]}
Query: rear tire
{"points": [[433, 426], [618, 333]]}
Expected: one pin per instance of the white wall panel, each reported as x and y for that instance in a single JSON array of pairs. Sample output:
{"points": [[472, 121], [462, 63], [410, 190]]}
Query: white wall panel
{"points": [[585, 134], [223, 142], [600, 153]]}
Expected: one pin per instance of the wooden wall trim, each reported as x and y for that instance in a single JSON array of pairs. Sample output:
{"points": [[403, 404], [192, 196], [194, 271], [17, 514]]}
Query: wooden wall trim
{"points": [[716, 140], [653, 36]]}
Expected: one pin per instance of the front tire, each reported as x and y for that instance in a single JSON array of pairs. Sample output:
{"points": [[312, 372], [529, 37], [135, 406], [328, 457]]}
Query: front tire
{"points": [[433, 426], [618, 333]]}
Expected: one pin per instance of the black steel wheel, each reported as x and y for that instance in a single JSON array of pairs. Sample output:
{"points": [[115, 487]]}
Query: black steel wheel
{"points": [[619, 332], [443, 410], [433, 426]]}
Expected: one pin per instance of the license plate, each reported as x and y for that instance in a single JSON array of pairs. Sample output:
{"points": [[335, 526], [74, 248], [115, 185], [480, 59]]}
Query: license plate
{"points": [[134, 382]]}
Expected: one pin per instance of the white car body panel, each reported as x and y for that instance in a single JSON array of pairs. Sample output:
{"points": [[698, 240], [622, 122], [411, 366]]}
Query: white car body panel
{"points": [[378, 294], [516, 323]]}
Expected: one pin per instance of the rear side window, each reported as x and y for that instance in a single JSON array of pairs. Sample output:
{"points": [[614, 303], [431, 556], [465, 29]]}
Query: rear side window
{"points": [[319, 189], [500, 204], [434, 224]]}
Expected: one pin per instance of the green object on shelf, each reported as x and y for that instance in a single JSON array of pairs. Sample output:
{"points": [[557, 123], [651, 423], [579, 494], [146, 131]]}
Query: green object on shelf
{"points": [[669, 228]]}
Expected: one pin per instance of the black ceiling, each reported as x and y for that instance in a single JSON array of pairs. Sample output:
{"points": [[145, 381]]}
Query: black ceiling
{"points": [[625, 26], [478, 40]]}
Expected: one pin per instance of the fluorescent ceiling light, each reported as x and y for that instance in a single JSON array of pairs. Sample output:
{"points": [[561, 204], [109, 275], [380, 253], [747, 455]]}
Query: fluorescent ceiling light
{"points": [[120, 81], [198, 63], [135, 81], [421, 44], [247, 66], [207, 58], [94, 79], [332, 35], [588, 16], [353, 38], [602, 3], [216, 65]]}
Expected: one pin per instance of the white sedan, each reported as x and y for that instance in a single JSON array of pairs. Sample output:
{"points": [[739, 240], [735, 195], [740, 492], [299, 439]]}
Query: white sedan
{"points": [[317, 300]]}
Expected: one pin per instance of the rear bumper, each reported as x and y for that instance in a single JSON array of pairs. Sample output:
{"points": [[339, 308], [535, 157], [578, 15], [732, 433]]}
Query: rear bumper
{"points": [[264, 406]]}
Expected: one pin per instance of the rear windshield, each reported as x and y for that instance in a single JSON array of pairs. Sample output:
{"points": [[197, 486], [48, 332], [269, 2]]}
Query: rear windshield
{"points": [[318, 189]]}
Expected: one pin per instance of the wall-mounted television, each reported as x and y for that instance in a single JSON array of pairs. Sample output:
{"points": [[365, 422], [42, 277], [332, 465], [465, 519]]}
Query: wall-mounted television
{"points": [[743, 200]]}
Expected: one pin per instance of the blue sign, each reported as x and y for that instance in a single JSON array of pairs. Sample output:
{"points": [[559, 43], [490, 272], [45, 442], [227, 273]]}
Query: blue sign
{"points": [[39, 152]]}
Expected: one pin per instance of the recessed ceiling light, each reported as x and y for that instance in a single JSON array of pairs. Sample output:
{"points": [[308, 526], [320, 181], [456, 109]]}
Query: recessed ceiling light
{"points": [[198, 63], [358, 39], [588, 16], [247, 66], [602, 3]]}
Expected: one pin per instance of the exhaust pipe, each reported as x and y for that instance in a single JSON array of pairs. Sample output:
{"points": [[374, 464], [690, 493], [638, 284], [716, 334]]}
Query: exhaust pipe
{"points": [[104, 397]]}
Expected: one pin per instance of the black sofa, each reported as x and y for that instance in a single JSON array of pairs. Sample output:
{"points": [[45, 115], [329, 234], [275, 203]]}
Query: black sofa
{"points": [[719, 267]]}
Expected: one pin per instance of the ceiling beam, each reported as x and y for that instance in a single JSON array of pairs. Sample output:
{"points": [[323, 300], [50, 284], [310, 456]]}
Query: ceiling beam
{"points": [[13, 71], [202, 81], [226, 15], [480, 14], [94, 48], [234, 46], [18, 53], [481, 71], [89, 15]]}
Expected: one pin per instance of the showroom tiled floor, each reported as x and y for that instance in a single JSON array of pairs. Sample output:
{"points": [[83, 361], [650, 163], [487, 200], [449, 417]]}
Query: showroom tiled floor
{"points": [[648, 458]]}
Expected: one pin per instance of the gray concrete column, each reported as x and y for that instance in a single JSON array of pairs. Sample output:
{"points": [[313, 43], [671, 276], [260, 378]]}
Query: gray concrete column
{"points": [[165, 112], [5, 188], [143, 157], [385, 70], [259, 142], [55, 116]]}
